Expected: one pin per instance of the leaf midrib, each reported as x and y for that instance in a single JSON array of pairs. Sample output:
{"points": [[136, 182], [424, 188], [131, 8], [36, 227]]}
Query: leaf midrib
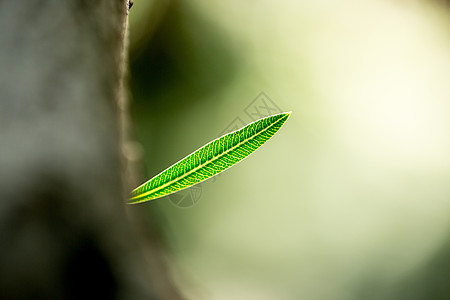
{"points": [[202, 165]]}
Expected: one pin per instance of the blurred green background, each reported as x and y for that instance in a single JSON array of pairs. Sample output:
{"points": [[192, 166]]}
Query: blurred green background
{"points": [[351, 199]]}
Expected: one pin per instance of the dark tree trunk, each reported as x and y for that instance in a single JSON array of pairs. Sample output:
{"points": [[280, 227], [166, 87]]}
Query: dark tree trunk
{"points": [[63, 229]]}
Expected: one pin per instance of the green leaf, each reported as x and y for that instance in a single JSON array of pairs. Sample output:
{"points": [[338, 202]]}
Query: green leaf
{"points": [[210, 160]]}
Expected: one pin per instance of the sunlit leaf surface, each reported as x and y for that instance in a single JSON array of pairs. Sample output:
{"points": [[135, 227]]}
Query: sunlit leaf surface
{"points": [[210, 160]]}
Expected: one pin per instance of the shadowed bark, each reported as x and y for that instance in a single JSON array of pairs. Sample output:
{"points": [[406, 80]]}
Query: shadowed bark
{"points": [[63, 228]]}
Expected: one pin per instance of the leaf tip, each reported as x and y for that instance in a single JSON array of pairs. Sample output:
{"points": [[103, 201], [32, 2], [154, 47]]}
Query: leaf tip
{"points": [[287, 115]]}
